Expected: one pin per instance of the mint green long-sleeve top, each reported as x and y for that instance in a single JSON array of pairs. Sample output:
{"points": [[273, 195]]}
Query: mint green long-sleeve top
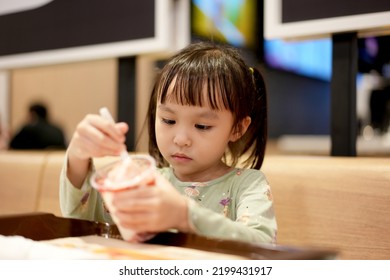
{"points": [[237, 205]]}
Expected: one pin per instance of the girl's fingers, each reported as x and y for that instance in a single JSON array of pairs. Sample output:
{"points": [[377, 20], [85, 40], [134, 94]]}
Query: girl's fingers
{"points": [[95, 136], [138, 221], [115, 131], [101, 141]]}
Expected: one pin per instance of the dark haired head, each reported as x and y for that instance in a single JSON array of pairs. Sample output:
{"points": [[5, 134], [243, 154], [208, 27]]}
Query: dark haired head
{"points": [[231, 85], [38, 110]]}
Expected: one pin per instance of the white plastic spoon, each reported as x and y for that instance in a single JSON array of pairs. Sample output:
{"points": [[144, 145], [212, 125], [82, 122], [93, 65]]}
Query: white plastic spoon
{"points": [[107, 115]]}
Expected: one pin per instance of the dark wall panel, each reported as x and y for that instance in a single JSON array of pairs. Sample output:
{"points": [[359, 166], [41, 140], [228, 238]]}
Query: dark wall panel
{"points": [[72, 23], [300, 10]]}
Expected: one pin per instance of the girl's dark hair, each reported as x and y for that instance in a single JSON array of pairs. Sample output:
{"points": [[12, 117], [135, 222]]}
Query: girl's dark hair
{"points": [[231, 85]]}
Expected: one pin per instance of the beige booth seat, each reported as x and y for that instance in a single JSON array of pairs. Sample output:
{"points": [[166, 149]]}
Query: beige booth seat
{"points": [[333, 202], [29, 181], [49, 190], [20, 181]]}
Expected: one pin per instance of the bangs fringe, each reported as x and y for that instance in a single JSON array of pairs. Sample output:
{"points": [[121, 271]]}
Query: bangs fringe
{"points": [[190, 89]]}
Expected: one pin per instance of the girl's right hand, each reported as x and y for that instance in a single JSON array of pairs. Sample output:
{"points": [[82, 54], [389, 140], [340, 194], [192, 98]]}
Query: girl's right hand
{"points": [[94, 136]]}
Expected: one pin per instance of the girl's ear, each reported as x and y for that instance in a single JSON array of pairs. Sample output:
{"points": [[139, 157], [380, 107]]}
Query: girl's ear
{"points": [[241, 129]]}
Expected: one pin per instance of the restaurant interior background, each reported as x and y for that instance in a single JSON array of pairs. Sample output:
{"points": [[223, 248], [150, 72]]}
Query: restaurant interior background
{"points": [[44, 56], [297, 73]]}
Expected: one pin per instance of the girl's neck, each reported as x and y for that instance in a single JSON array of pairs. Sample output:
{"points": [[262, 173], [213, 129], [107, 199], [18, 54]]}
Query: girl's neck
{"points": [[206, 175]]}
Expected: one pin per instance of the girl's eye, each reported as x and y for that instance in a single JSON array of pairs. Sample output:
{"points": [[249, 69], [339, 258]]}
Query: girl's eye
{"points": [[169, 122], [202, 127]]}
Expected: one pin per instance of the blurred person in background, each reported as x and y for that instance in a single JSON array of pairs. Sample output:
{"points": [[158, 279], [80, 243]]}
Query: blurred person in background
{"points": [[38, 133]]}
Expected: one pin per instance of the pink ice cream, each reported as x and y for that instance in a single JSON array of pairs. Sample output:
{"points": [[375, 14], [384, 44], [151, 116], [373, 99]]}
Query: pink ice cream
{"points": [[123, 175]]}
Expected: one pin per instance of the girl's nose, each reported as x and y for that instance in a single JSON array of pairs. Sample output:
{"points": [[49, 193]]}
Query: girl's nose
{"points": [[182, 139]]}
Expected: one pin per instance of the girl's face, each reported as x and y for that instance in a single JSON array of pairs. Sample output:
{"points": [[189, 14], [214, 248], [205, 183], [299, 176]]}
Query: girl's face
{"points": [[193, 139]]}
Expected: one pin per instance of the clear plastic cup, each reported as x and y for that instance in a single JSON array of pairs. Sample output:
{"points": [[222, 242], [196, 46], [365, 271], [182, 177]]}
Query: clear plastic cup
{"points": [[123, 175]]}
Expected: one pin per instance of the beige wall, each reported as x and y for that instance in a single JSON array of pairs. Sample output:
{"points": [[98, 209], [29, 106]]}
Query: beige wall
{"points": [[71, 91]]}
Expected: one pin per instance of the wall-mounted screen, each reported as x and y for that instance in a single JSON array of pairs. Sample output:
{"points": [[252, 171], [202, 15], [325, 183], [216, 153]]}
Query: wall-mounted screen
{"points": [[59, 31], [311, 58], [321, 18], [226, 21]]}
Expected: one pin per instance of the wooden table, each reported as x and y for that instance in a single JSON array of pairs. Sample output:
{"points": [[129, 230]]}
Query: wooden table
{"points": [[45, 226]]}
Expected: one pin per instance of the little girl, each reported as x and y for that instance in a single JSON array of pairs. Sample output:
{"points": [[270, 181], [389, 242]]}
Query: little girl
{"points": [[208, 115]]}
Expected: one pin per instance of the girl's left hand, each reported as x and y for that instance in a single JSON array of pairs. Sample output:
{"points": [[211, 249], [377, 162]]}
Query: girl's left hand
{"points": [[152, 208]]}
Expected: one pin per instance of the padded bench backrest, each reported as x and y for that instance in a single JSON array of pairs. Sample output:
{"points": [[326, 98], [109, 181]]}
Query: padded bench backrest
{"points": [[340, 203], [49, 195], [20, 180]]}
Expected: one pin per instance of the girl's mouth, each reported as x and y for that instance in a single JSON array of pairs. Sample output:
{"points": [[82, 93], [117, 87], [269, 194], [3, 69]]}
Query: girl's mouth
{"points": [[181, 158]]}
